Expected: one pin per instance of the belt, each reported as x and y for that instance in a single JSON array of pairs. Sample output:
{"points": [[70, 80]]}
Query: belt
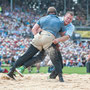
{"points": [[46, 34]]}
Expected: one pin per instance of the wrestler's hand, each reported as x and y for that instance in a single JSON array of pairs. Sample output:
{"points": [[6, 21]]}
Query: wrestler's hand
{"points": [[55, 41]]}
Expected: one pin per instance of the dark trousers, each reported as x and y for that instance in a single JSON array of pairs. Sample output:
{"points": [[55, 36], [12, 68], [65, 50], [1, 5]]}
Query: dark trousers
{"points": [[54, 55], [56, 58], [40, 57], [26, 57]]}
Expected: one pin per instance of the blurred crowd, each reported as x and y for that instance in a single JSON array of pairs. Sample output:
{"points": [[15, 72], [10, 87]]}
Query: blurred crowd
{"points": [[15, 33], [75, 54]]}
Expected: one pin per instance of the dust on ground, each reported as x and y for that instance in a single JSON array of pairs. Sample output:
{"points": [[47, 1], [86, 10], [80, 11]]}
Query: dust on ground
{"points": [[42, 82]]}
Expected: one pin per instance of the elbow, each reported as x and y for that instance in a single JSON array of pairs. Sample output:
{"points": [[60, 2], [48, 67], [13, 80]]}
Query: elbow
{"points": [[32, 30]]}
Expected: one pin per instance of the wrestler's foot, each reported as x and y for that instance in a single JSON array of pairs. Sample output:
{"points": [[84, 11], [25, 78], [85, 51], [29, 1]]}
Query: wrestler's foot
{"points": [[61, 78], [53, 75], [11, 75]]}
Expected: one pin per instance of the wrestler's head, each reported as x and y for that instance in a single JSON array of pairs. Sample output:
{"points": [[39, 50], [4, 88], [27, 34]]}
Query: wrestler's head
{"points": [[51, 10]]}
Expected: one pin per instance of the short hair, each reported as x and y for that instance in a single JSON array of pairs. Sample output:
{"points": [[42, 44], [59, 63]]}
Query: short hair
{"points": [[51, 10], [71, 13]]}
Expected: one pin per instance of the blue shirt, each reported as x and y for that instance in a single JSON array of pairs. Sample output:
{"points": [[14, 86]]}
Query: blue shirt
{"points": [[50, 23]]}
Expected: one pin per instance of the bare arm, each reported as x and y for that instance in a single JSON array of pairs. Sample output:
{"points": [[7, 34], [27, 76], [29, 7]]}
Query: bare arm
{"points": [[35, 29], [61, 39]]}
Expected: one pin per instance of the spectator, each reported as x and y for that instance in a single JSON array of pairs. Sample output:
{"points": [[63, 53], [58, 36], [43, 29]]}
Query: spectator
{"points": [[88, 64]]}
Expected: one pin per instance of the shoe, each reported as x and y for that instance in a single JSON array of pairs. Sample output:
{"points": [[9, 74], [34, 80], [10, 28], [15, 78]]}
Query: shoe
{"points": [[61, 78], [11, 75], [19, 72], [53, 75]]}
